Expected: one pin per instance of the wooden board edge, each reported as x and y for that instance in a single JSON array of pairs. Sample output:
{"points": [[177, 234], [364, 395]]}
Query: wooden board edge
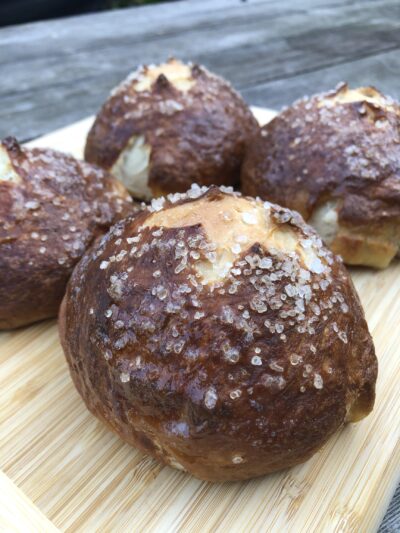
{"points": [[18, 514]]}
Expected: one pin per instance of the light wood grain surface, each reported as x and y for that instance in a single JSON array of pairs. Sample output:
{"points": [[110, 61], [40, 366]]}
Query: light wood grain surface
{"points": [[18, 513], [63, 467]]}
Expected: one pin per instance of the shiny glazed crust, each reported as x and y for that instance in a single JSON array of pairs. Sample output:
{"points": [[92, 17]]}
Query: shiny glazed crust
{"points": [[340, 148], [195, 135], [51, 208], [218, 335]]}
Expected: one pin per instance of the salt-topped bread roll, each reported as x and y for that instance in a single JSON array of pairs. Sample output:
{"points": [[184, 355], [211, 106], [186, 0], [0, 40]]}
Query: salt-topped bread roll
{"points": [[218, 334], [171, 125], [51, 209], [335, 158]]}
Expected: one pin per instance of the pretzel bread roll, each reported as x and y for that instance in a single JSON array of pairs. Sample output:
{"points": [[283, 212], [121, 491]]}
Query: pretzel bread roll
{"points": [[168, 126], [335, 158], [217, 334], [51, 209]]}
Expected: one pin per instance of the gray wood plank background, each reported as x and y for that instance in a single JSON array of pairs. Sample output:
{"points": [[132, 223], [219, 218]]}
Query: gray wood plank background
{"points": [[273, 51], [56, 72]]}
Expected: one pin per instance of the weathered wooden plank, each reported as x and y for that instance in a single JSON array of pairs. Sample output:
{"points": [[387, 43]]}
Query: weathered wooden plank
{"points": [[366, 71], [59, 71]]}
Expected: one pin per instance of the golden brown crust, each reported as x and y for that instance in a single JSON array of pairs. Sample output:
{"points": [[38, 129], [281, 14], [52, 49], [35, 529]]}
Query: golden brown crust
{"points": [[343, 147], [227, 373], [196, 135], [51, 208]]}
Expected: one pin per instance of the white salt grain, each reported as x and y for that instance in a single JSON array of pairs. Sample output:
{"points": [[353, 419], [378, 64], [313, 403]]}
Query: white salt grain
{"points": [[210, 398]]}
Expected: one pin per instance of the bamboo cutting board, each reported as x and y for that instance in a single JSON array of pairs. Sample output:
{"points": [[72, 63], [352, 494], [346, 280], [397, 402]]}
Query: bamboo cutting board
{"points": [[62, 469]]}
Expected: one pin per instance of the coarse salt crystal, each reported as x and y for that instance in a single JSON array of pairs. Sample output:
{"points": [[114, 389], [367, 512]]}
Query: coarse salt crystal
{"points": [[32, 204], [275, 366], [157, 203], [317, 266], [236, 249], [295, 359], [235, 394], [210, 398], [249, 218], [318, 381]]}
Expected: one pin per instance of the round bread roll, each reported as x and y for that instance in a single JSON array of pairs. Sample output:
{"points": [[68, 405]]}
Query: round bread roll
{"points": [[216, 333], [335, 158], [168, 126], [51, 208]]}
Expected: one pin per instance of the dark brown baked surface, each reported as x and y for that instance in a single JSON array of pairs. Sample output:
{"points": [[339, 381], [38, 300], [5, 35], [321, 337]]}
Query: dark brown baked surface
{"points": [[196, 127], [51, 208], [340, 148], [217, 334]]}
